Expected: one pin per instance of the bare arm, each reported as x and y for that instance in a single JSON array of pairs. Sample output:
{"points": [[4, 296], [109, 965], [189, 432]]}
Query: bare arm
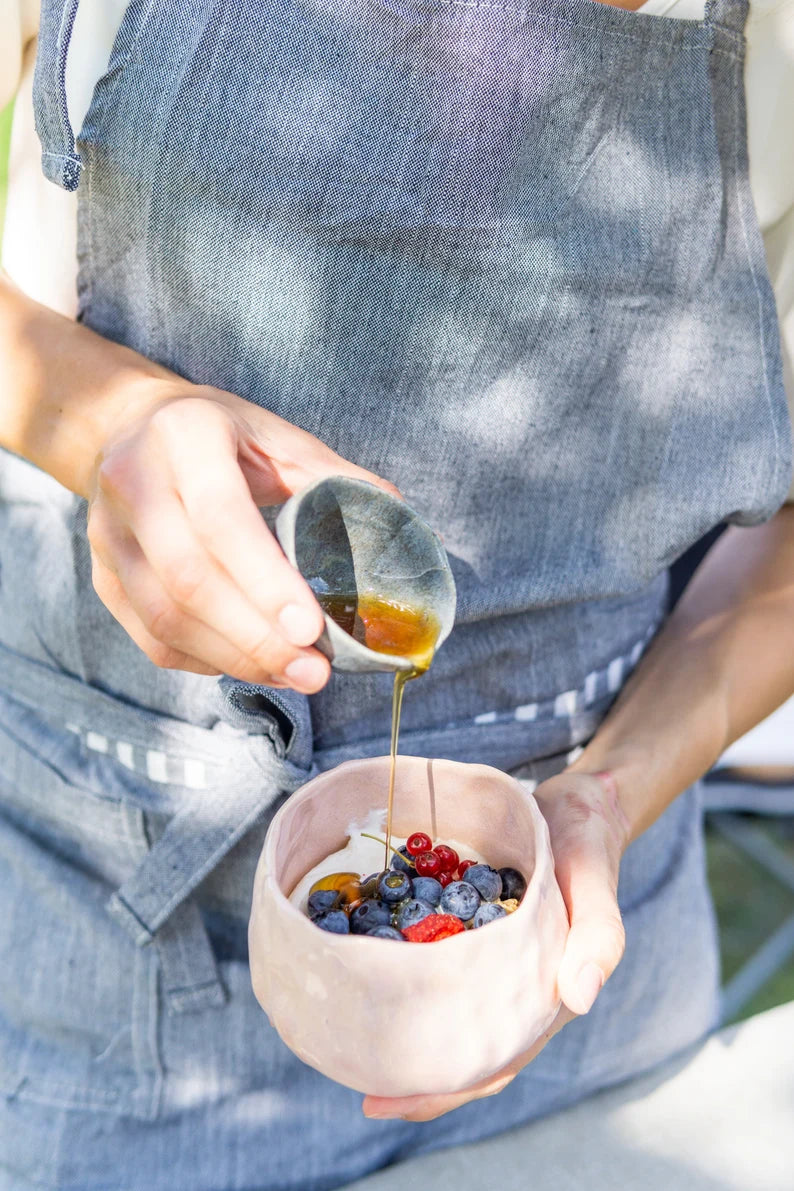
{"points": [[722, 663]]}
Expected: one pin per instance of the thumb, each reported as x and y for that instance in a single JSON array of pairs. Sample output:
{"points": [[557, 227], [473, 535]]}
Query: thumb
{"points": [[588, 879]]}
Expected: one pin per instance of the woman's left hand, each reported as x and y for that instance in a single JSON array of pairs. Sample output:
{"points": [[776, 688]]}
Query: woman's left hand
{"points": [[589, 834]]}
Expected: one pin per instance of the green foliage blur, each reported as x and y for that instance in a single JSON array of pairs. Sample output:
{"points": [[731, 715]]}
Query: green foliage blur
{"points": [[5, 140]]}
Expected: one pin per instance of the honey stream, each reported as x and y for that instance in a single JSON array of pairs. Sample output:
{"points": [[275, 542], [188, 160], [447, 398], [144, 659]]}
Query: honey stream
{"points": [[397, 630]]}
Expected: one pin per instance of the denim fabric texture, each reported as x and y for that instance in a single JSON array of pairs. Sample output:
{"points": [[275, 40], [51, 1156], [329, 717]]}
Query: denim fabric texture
{"points": [[505, 256]]}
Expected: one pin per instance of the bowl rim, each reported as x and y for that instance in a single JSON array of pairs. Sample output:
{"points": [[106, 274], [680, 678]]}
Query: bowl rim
{"points": [[266, 877]]}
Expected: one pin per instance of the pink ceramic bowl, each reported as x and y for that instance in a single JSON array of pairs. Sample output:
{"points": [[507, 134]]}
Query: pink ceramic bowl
{"points": [[396, 1019]]}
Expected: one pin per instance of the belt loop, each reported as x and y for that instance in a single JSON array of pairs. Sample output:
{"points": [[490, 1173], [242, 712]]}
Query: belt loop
{"points": [[191, 981]]}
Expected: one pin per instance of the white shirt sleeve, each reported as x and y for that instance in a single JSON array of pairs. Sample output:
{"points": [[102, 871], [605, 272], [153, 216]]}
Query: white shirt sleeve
{"points": [[769, 78], [19, 21]]}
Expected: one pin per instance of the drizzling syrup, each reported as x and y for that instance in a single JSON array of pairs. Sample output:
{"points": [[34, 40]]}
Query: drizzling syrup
{"points": [[397, 630]]}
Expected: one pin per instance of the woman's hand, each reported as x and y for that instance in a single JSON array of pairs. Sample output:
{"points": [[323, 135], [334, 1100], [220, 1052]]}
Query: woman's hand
{"points": [[173, 473], [181, 555], [589, 833]]}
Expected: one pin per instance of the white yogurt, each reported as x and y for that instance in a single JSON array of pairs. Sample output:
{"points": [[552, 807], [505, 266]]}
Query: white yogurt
{"points": [[362, 856]]}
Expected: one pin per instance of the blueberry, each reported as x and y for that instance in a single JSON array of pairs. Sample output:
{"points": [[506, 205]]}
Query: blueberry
{"points": [[410, 912], [488, 912], [460, 899], [485, 880], [386, 932], [321, 901], [369, 886], [369, 914], [394, 887], [400, 863], [336, 921], [427, 890], [513, 883]]}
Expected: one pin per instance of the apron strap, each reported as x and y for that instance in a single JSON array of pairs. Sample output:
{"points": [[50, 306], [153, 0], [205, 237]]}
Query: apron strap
{"points": [[191, 981], [730, 14], [60, 160], [248, 767], [193, 844]]}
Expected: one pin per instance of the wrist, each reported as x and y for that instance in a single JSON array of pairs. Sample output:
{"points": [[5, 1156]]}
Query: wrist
{"points": [[654, 748]]}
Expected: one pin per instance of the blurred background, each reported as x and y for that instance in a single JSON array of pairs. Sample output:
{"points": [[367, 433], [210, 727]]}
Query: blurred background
{"points": [[750, 855]]}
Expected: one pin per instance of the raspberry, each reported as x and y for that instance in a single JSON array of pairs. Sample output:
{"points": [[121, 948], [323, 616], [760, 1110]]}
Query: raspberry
{"points": [[433, 928], [418, 842]]}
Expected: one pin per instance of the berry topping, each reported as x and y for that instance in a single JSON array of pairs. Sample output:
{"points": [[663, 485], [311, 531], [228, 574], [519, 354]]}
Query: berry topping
{"points": [[485, 880], [386, 932], [433, 928], [465, 864], [445, 879], [427, 890], [410, 913], [335, 921], [448, 857], [369, 885], [321, 901], [488, 912], [513, 883], [460, 899], [402, 862], [394, 887], [368, 915], [428, 864], [418, 842], [347, 885]]}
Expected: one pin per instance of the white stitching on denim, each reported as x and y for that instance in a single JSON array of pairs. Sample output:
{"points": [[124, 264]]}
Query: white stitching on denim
{"points": [[156, 765], [597, 684]]}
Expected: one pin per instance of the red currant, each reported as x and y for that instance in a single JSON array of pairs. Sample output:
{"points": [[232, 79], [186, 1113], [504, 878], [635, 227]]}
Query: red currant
{"points": [[445, 879], [416, 843], [428, 865], [448, 857], [464, 864]]}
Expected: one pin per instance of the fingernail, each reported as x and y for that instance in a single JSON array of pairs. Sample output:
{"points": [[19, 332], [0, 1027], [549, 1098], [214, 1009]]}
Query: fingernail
{"points": [[589, 985], [384, 1116], [298, 624], [305, 671]]}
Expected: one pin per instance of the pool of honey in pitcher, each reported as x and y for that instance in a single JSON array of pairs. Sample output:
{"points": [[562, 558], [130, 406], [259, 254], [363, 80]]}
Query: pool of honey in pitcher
{"points": [[385, 626]]}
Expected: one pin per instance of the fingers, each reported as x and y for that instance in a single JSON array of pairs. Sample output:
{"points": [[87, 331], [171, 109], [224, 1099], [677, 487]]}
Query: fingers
{"points": [[587, 844], [174, 600], [113, 596], [427, 1108], [200, 580]]}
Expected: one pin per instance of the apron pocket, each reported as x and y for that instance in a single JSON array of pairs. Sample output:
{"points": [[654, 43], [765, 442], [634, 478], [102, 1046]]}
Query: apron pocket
{"points": [[77, 1001]]}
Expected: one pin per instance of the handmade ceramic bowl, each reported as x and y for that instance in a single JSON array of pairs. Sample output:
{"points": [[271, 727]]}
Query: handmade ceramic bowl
{"points": [[399, 1019], [350, 537]]}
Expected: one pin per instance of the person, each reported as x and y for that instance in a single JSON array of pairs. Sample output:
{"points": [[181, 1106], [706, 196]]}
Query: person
{"points": [[506, 260]]}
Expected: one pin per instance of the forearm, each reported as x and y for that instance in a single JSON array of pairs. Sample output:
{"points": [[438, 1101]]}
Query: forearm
{"points": [[723, 661], [63, 387]]}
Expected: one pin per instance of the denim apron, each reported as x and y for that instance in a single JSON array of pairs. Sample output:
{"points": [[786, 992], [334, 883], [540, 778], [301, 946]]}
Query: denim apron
{"points": [[506, 257]]}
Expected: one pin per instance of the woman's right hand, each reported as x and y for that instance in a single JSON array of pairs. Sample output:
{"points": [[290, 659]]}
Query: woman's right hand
{"points": [[181, 555]]}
